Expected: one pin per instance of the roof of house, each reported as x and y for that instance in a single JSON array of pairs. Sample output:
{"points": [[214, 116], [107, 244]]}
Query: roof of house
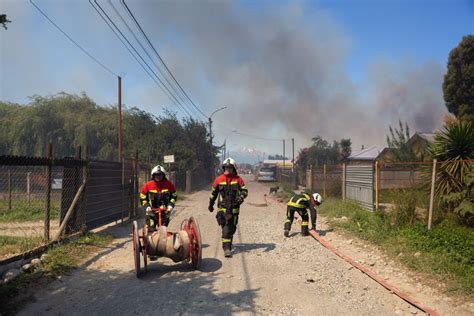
{"points": [[370, 153], [429, 137]]}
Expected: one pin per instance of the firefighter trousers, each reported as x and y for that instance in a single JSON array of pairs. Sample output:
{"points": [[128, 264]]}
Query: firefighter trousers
{"points": [[228, 221], [290, 216]]}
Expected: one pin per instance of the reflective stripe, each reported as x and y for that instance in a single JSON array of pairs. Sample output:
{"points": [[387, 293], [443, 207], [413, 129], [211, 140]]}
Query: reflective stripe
{"points": [[221, 210], [296, 205], [164, 190], [287, 221], [226, 240], [304, 223], [223, 182], [153, 191], [234, 182]]}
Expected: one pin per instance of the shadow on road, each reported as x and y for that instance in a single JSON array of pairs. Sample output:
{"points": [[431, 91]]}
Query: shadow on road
{"points": [[324, 232], [239, 248]]}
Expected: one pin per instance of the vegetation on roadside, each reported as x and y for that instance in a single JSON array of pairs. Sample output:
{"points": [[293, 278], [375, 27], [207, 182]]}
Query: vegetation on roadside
{"points": [[13, 244], [60, 260], [21, 211], [445, 252]]}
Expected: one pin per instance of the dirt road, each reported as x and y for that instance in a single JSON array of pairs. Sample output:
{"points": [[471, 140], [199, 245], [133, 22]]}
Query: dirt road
{"points": [[268, 274]]}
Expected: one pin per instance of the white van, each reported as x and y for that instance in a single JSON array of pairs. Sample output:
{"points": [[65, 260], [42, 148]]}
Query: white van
{"points": [[266, 174]]}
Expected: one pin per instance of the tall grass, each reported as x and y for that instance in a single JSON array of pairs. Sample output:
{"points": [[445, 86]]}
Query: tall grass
{"points": [[445, 252]]}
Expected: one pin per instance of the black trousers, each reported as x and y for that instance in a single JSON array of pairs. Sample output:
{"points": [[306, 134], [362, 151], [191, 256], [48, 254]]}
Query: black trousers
{"points": [[152, 220], [228, 221], [290, 216]]}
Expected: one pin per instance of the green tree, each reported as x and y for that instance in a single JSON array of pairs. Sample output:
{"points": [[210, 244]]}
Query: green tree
{"points": [[398, 142], [458, 85], [346, 148], [71, 120], [453, 147]]}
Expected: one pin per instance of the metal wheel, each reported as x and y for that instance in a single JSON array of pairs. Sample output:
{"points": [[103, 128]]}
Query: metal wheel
{"points": [[136, 248], [196, 246]]}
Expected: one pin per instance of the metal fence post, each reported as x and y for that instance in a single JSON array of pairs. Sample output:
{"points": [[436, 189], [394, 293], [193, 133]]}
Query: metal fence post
{"points": [[344, 181], [85, 172], [324, 180], [188, 181], [48, 191], [28, 187], [433, 180], [9, 190], [376, 184], [135, 185]]}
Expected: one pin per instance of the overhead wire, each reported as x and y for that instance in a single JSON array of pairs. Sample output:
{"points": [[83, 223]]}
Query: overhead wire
{"points": [[162, 86], [251, 135], [161, 59], [74, 42], [146, 52]]}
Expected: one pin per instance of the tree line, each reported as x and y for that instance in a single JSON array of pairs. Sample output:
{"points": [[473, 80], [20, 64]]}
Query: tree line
{"points": [[69, 121]]}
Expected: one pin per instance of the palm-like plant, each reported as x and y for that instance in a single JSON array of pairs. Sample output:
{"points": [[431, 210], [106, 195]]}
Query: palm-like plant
{"points": [[454, 148]]}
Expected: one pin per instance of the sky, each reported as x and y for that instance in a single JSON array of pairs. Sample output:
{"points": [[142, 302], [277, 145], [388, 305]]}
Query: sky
{"points": [[283, 69]]}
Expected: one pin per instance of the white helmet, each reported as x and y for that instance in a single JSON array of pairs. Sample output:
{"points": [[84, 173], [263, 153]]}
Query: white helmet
{"points": [[229, 162], [158, 169], [316, 197]]}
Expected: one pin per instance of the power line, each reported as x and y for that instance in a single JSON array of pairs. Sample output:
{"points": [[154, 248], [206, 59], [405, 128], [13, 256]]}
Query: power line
{"points": [[251, 135], [171, 96], [146, 52], [161, 59], [74, 42], [167, 92]]}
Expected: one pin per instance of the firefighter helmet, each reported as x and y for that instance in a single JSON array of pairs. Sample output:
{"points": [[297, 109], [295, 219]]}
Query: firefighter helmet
{"points": [[158, 169], [317, 199], [229, 162]]}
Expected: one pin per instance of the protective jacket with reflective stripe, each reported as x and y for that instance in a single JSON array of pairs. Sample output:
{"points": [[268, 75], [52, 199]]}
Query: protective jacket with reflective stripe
{"points": [[157, 194], [231, 191]]}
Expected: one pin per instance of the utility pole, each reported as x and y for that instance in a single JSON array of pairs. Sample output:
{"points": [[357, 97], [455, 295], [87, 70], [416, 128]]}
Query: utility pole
{"points": [[223, 151], [283, 153], [210, 130], [119, 118], [210, 122], [293, 149]]}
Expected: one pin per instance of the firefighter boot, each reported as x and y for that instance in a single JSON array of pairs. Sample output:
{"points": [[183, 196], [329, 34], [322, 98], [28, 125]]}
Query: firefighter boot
{"points": [[227, 250], [304, 230], [287, 228]]}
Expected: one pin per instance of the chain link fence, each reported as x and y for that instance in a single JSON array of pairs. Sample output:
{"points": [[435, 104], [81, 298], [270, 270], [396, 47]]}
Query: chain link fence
{"points": [[44, 199]]}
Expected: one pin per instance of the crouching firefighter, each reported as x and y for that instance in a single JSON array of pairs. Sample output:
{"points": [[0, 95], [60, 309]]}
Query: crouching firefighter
{"points": [[231, 190], [160, 193], [301, 203]]}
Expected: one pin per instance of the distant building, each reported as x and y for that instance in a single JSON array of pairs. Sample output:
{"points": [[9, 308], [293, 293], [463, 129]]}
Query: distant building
{"points": [[277, 163], [419, 142], [364, 156]]}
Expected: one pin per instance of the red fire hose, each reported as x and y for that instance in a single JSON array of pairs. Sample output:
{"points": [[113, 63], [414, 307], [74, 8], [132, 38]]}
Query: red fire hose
{"points": [[372, 275]]}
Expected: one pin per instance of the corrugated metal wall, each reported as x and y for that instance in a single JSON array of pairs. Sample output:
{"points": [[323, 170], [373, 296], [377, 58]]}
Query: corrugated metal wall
{"points": [[360, 185]]}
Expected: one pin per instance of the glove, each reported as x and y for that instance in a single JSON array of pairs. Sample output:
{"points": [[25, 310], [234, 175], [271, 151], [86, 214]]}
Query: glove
{"points": [[211, 208], [170, 208], [240, 200]]}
